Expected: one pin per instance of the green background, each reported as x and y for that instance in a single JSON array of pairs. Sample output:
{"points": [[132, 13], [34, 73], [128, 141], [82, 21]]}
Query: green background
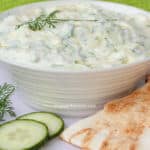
{"points": [[6, 4]]}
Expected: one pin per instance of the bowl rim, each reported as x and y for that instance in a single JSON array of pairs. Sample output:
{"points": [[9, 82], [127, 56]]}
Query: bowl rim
{"points": [[103, 70], [62, 2]]}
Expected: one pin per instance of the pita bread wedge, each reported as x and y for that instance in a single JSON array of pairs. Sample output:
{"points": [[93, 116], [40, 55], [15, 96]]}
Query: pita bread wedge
{"points": [[123, 124]]}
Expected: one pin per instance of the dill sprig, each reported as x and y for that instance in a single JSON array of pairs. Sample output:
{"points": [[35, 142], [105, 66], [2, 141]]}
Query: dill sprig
{"points": [[50, 20], [5, 104], [40, 22]]}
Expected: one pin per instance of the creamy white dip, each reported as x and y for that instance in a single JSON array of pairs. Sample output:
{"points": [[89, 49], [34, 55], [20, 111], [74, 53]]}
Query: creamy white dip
{"points": [[114, 40]]}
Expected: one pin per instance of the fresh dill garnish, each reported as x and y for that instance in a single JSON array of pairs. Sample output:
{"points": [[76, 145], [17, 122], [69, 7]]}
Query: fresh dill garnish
{"points": [[40, 22], [5, 104], [50, 20]]}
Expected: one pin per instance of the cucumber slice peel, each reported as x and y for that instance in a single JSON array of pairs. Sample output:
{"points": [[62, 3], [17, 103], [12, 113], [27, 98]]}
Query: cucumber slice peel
{"points": [[54, 122], [22, 135]]}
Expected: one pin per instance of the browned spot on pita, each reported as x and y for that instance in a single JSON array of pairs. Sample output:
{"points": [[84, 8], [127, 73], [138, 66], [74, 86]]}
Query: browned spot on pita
{"points": [[79, 133], [134, 130], [112, 143], [147, 78], [91, 133], [104, 145], [119, 106], [143, 109], [133, 147], [124, 104]]}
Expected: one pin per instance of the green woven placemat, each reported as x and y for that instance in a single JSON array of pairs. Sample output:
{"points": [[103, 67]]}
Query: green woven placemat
{"points": [[6, 4], [144, 4]]}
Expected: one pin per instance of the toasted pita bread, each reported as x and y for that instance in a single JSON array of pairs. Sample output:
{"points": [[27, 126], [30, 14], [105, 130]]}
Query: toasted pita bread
{"points": [[123, 124]]}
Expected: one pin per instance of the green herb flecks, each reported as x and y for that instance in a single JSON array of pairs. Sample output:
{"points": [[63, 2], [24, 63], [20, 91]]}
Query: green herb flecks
{"points": [[51, 20], [5, 104]]}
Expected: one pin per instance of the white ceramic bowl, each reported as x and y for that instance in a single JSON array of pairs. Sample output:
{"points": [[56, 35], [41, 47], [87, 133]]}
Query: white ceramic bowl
{"points": [[75, 93]]}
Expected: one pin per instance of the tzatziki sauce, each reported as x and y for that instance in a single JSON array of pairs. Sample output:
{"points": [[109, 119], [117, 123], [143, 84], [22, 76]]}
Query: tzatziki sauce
{"points": [[112, 40]]}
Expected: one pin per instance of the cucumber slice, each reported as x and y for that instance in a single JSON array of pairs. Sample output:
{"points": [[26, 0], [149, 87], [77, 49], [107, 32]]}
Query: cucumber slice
{"points": [[22, 135], [54, 123]]}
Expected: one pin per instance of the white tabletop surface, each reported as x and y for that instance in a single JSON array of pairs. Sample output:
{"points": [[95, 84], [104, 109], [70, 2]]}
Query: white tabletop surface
{"points": [[21, 108]]}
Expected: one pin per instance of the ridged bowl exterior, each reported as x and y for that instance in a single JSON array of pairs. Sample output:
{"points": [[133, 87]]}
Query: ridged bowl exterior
{"points": [[75, 93]]}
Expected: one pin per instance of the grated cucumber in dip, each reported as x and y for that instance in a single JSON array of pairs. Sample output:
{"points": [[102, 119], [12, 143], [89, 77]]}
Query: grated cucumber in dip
{"points": [[78, 43]]}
